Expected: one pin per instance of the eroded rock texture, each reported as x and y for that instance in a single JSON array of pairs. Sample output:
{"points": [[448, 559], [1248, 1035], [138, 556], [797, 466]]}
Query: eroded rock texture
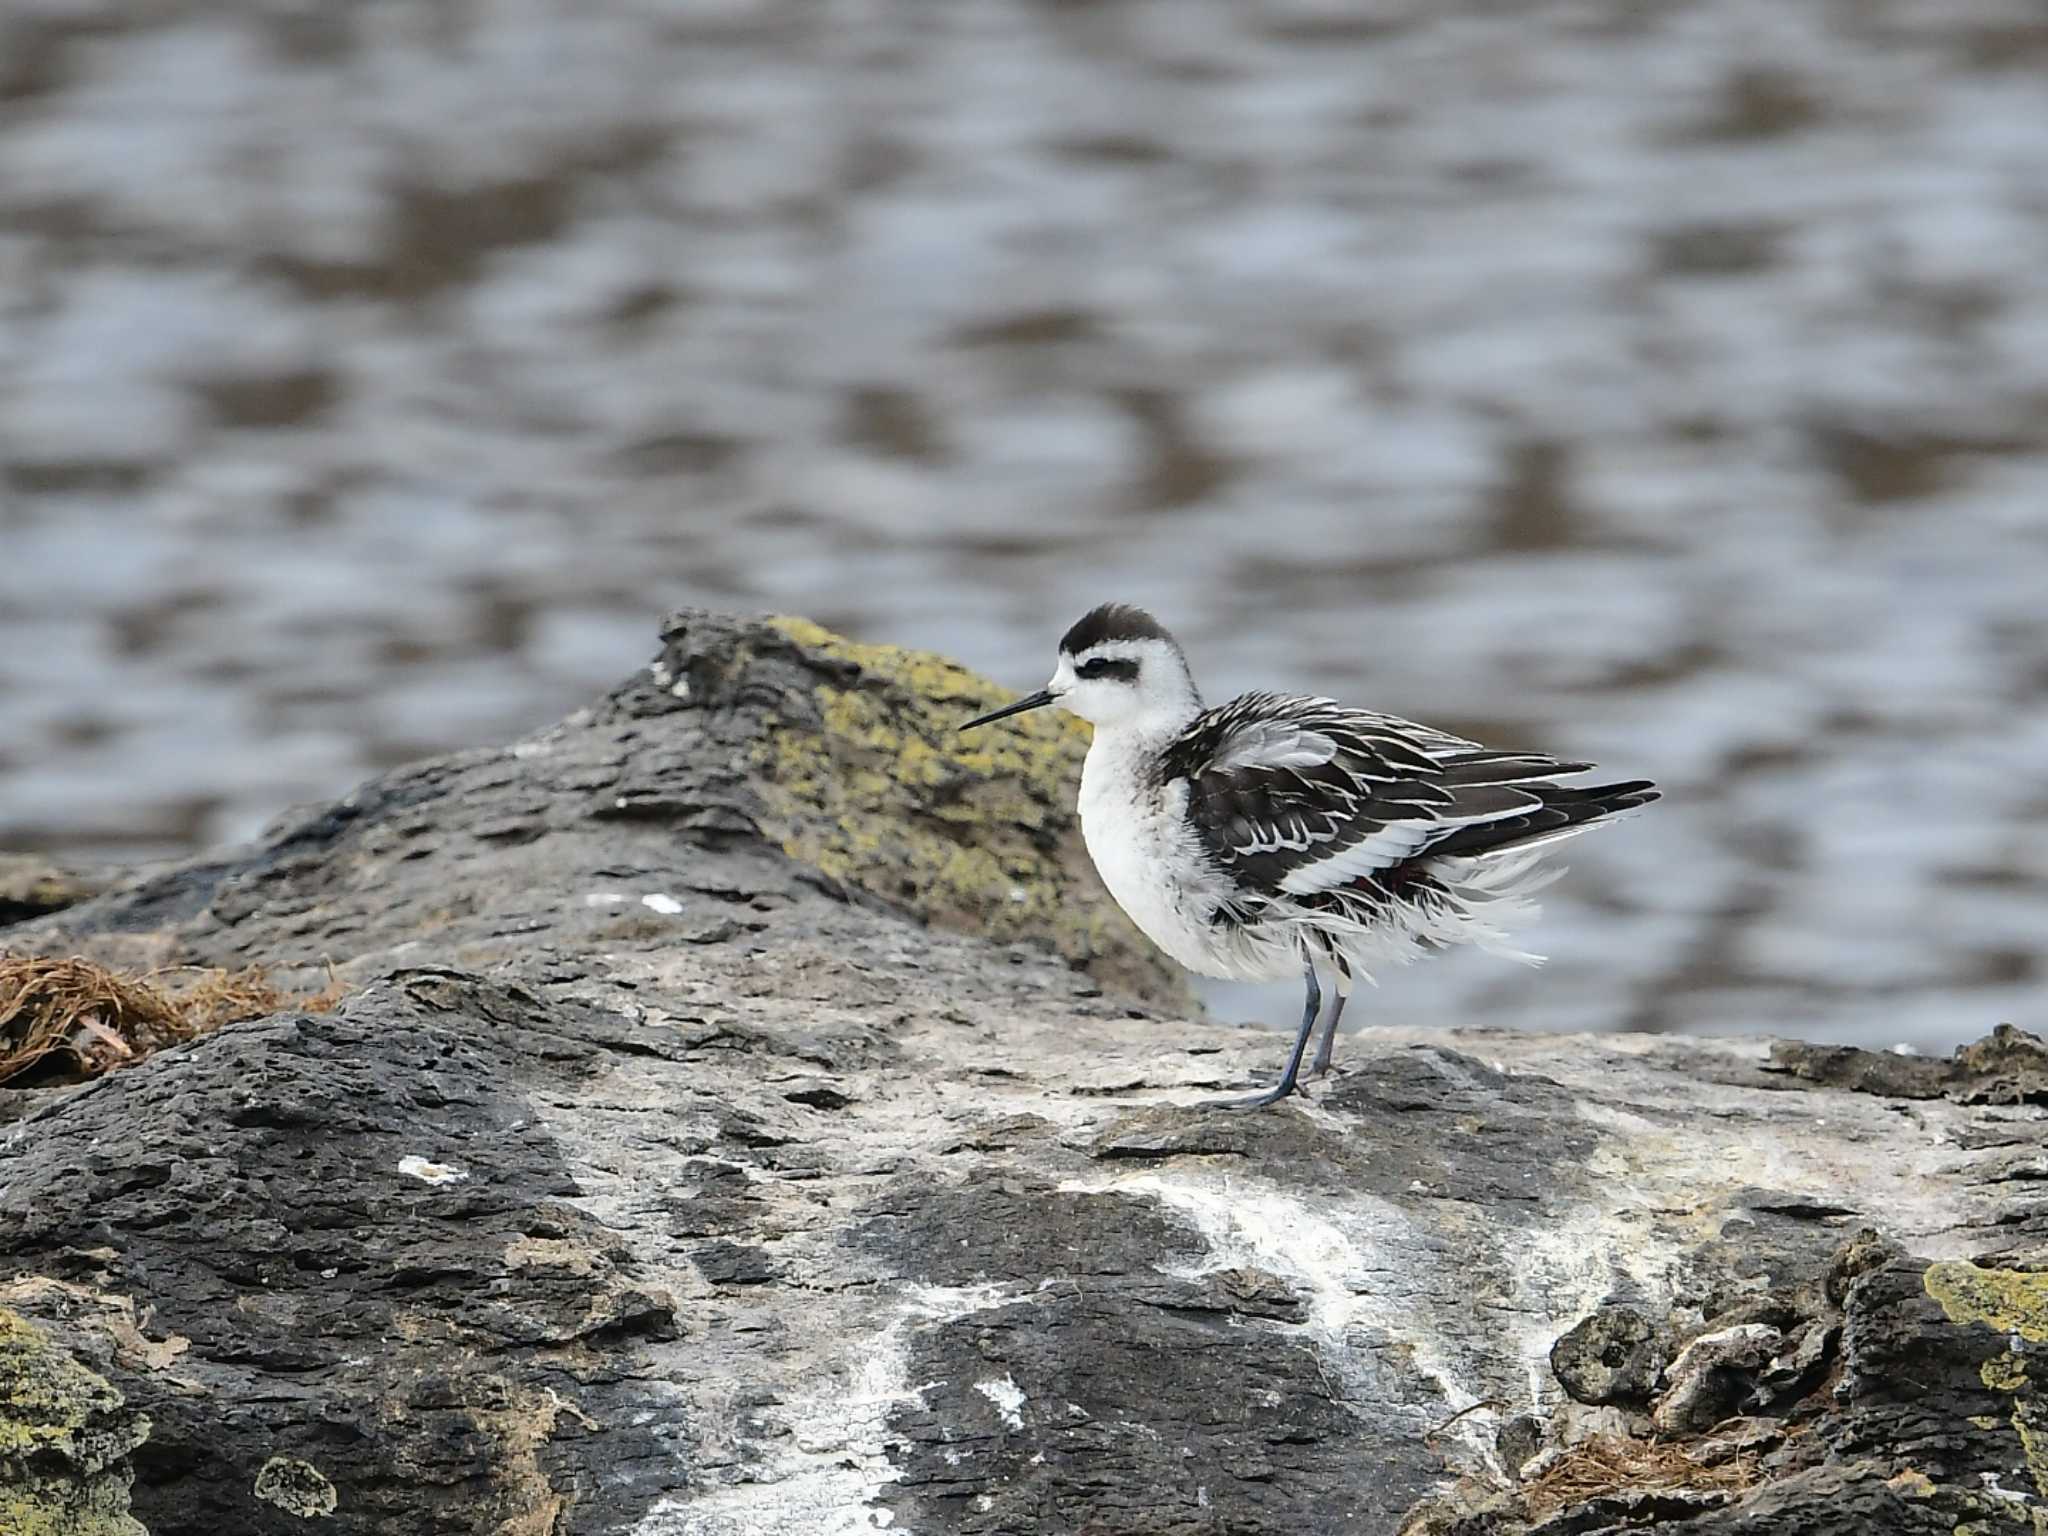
{"points": [[691, 1160]]}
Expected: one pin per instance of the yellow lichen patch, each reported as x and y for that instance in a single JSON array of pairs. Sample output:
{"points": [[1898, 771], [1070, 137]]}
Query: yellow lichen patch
{"points": [[63, 1437], [2006, 1523], [2014, 1302], [296, 1487], [975, 833], [34, 1510], [2005, 1373], [46, 1397], [2010, 1300]]}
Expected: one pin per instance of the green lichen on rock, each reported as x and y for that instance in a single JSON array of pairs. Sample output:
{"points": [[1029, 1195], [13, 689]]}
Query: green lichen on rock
{"points": [[2000, 1517], [65, 1434], [2010, 1300], [2015, 1303], [296, 1487], [975, 833]]}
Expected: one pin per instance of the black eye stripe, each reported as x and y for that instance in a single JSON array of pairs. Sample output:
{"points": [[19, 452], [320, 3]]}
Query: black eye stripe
{"points": [[1104, 666]]}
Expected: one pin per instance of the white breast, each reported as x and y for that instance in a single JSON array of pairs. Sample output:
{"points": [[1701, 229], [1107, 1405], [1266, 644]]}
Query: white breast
{"points": [[1139, 838]]}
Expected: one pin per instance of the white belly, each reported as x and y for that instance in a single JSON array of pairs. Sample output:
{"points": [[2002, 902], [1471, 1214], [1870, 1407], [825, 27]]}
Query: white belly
{"points": [[1151, 864]]}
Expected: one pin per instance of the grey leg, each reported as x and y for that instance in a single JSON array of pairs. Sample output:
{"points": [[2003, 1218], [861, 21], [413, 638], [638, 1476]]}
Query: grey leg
{"points": [[1285, 1086], [1328, 1048]]}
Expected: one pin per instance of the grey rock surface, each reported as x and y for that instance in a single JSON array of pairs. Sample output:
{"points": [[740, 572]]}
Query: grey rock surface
{"points": [[690, 1161]]}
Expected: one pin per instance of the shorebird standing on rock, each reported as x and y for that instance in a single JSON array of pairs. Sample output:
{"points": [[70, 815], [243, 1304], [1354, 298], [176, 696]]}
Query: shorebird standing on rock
{"points": [[1278, 832]]}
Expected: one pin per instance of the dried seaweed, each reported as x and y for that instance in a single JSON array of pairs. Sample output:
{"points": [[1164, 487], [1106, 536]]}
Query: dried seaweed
{"points": [[1611, 1464], [69, 1018]]}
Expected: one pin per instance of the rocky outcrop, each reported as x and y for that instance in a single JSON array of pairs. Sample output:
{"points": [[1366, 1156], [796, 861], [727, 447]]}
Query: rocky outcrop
{"points": [[32, 886], [749, 1118]]}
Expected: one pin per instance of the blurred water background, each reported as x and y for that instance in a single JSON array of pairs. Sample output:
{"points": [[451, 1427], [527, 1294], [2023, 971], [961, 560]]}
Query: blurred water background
{"points": [[1661, 382]]}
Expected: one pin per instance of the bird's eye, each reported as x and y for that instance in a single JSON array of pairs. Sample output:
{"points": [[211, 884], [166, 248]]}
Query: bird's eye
{"points": [[1094, 666]]}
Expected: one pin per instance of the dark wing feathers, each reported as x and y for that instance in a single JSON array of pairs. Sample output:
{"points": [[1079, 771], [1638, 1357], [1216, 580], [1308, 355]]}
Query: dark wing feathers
{"points": [[1297, 795], [1562, 808], [1504, 768]]}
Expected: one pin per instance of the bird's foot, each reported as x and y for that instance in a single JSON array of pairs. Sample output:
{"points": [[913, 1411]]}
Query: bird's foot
{"points": [[1272, 1095]]}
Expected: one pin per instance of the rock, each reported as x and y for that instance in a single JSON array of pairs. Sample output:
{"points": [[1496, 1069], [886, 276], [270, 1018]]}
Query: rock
{"points": [[1713, 1375], [2008, 1066], [1939, 1370], [1856, 1500], [1733, 1438], [1616, 1355], [1868, 1251], [296, 1487], [1469, 1508], [713, 1143], [33, 886], [65, 1438], [1629, 1511], [1798, 1366], [1518, 1441], [253, 1195]]}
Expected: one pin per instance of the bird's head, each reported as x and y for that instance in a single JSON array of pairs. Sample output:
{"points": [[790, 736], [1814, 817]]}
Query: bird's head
{"points": [[1118, 669]]}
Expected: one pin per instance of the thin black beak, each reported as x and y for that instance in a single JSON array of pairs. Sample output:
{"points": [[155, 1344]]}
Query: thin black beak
{"points": [[1036, 700]]}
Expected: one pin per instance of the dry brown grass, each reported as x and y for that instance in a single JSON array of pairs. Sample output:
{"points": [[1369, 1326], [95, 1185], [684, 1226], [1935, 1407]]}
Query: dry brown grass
{"points": [[1604, 1464], [74, 1019]]}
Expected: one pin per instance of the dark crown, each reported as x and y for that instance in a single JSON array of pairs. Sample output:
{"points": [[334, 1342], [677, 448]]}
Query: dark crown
{"points": [[1112, 621]]}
